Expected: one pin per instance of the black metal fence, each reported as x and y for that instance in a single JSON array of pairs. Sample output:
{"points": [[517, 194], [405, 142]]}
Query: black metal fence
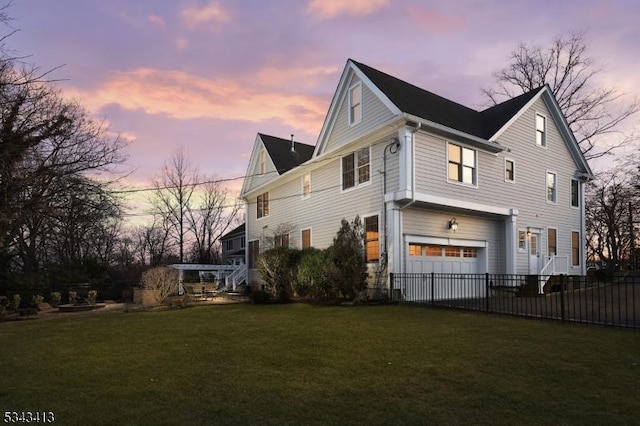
{"points": [[565, 298]]}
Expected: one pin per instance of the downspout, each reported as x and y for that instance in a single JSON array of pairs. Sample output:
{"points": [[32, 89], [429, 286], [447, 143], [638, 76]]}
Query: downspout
{"points": [[413, 194], [413, 165]]}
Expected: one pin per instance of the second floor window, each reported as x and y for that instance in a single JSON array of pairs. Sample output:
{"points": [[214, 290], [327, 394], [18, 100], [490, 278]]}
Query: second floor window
{"points": [[356, 168], [552, 187], [462, 164], [575, 193], [263, 205], [509, 171]]}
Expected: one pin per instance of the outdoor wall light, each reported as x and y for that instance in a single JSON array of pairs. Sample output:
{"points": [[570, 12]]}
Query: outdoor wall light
{"points": [[453, 225], [528, 231]]}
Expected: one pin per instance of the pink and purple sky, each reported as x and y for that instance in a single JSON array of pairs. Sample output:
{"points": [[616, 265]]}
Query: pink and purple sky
{"points": [[208, 75]]}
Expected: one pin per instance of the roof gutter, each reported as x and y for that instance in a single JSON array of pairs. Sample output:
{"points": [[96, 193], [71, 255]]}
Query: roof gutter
{"points": [[484, 144]]}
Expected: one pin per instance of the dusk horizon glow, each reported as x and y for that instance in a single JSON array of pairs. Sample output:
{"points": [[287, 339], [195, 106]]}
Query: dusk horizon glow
{"points": [[207, 76]]}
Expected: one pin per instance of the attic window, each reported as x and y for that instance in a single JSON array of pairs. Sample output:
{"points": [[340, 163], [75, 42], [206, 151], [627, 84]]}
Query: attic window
{"points": [[355, 104], [263, 162], [541, 130]]}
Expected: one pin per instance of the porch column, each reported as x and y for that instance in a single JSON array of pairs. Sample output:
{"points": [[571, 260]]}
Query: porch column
{"points": [[511, 241], [180, 281]]}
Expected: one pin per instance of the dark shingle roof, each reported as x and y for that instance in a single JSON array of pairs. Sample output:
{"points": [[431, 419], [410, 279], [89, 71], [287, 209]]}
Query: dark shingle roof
{"points": [[429, 106], [280, 152], [234, 232]]}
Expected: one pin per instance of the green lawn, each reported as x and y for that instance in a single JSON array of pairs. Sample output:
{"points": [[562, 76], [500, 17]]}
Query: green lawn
{"points": [[301, 364]]}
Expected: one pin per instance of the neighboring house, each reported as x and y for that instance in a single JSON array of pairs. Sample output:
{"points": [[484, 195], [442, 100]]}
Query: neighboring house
{"points": [[439, 187], [233, 246]]}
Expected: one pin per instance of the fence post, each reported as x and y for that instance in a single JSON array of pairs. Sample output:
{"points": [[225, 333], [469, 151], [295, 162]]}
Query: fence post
{"points": [[486, 291], [432, 284], [562, 284], [391, 286]]}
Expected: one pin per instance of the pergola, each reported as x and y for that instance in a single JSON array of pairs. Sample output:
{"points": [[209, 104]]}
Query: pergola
{"points": [[221, 271]]}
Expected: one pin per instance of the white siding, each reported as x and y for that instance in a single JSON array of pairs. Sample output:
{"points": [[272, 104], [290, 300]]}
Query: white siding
{"points": [[374, 112], [527, 194]]}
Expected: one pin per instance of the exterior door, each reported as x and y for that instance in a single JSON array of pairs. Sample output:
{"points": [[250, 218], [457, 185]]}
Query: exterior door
{"points": [[534, 253]]}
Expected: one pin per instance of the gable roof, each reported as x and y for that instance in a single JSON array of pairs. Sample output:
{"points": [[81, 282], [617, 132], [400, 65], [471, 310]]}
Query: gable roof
{"points": [[236, 232], [429, 106], [281, 154]]}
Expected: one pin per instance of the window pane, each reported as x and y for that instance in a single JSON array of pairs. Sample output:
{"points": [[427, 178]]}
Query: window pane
{"points": [[551, 187], [467, 175], [348, 178], [575, 193], [469, 157], [575, 248], [306, 238], [306, 185], [521, 239], [452, 251], [508, 170], [454, 153], [470, 252], [540, 123], [551, 242], [454, 171], [415, 250], [433, 251], [265, 203], [372, 246]]}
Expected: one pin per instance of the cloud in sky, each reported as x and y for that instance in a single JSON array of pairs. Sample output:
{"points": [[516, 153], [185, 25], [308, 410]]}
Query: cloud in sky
{"points": [[212, 13], [184, 96], [329, 9]]}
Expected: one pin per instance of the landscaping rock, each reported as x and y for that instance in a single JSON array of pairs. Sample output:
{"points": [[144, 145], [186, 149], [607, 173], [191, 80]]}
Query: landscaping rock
{"points": [[44, 306]]}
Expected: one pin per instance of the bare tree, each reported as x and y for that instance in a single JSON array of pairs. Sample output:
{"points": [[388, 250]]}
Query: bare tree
{"points": [[608, 227], [593, 112], [174, 189], [215, 213]]}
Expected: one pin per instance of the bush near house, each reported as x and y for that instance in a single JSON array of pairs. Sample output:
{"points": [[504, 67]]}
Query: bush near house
{"points": [[338, 271]]}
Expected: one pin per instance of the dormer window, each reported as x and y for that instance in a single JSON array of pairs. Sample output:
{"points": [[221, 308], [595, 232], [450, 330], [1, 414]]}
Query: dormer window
{"points": [[355, 104], [541, 130]]}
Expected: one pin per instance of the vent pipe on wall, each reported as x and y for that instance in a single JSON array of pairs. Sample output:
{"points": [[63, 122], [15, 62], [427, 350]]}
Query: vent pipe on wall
{"points": [[293, 144]]}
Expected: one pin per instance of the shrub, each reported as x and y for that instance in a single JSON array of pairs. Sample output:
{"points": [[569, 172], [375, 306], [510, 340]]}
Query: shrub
{"points": [[16, 302], [162, 280], [346, 258], [4, 304], [278, 268], [55, 299], [73, 297], [313, 277], [36, 300], [92, 296]]}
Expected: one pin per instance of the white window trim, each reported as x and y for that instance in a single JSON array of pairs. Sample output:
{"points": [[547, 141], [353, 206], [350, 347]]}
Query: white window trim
{"points": [[355, 171], [475, 168], [571, 194], [514, 170], [303, 195], [264, 215], [546, 129], [546, 197], [355, 86], [310, 236]]}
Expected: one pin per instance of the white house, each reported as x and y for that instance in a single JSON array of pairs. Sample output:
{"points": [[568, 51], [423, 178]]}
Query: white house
{"points": [[440, 187]]}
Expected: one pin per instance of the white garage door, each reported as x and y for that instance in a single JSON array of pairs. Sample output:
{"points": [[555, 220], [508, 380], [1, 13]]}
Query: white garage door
{"points": [[427, 258]]}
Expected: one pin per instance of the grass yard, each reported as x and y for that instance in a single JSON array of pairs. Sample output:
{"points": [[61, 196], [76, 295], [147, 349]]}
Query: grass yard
{"points": [[301, 364]]}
